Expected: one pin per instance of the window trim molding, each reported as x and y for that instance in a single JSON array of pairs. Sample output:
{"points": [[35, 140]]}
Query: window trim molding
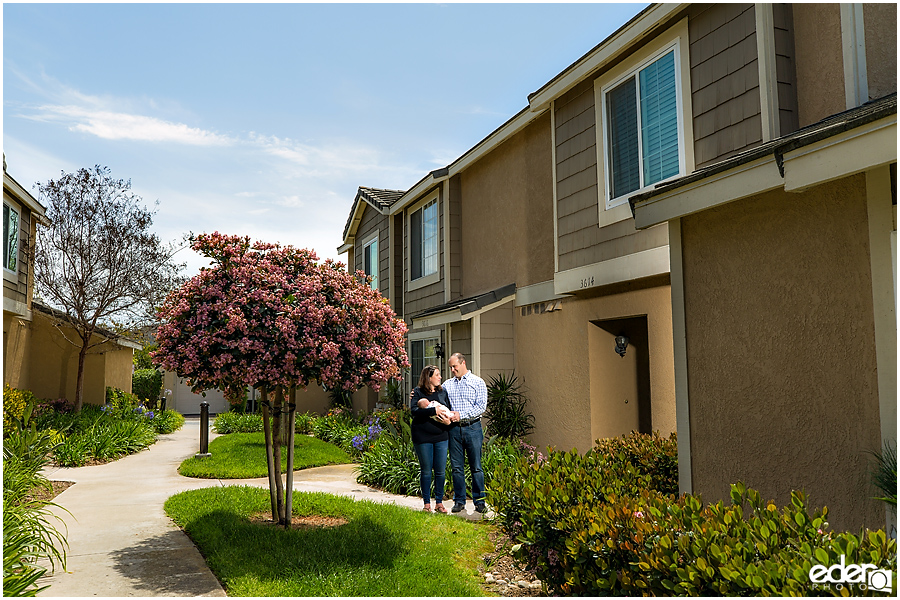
{"points": [[415, 284], [375, 235], [675, 37]]}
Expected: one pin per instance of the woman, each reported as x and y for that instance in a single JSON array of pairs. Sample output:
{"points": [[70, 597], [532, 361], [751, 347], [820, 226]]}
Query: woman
{"points": [[429, 435]]}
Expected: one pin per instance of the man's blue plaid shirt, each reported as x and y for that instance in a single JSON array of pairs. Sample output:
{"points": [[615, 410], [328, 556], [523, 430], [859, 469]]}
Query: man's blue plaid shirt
{"points": [[468, 395]]}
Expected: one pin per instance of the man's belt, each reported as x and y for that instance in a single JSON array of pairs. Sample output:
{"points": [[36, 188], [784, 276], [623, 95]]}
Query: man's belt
{"points": [[467, 422]]}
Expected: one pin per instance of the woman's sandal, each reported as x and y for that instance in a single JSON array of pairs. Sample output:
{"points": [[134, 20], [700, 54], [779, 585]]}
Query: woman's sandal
{"points": [[427, 508], [440, 508]]}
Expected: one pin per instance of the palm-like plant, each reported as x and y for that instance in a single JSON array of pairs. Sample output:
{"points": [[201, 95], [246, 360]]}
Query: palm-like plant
{"points": [[27, 531], [506, 408], [884, 474]]}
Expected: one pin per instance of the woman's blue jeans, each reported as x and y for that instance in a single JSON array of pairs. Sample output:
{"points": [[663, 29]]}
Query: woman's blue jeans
{"points": [[432, 457]]}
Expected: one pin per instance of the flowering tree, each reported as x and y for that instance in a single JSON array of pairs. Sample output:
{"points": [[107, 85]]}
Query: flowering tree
{"points": [[273, 318]]}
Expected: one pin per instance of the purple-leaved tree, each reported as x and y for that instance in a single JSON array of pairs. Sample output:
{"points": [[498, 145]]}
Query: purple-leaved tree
{"points": [[275, 319]]}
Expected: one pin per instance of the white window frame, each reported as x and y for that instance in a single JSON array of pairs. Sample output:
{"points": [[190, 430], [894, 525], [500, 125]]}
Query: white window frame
{"points": [[431, 278], [613, 210], [422, 336], [373, 238], [12, 274]]}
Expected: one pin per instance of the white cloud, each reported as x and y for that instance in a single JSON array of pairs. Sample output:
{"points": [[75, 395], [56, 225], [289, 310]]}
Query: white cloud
{"points": [[112, 125]]}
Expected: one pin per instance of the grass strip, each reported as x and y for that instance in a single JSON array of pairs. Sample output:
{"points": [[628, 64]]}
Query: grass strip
{"points": [[243, 456], [382, 550]]}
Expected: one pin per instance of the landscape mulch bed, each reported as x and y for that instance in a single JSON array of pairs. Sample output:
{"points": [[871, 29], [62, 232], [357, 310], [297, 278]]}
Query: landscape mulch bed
{"points": [[503, 568], [58, 488], [307, 522]]}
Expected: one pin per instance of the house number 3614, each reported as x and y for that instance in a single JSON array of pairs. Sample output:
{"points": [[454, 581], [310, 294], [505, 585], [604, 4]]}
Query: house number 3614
{"points": [[587, 282]]}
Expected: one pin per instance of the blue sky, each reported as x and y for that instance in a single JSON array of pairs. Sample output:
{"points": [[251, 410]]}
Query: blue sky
{"points": [[263, 120]]}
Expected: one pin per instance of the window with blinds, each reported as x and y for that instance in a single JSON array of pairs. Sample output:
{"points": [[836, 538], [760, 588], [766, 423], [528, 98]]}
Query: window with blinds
{"points": [[642, 129]]}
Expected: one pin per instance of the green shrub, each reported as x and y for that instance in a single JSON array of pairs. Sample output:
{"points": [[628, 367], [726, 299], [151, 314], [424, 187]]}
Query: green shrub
{"points": [[167, 421], [393, 394], [119, 399], [392, 466], [602, 524], [335, 426], [303, 423], [142, 358], [884, 473], [232, 422], [147, 384], [14, 403], [506, 412], [28, 535], [650, 454]]}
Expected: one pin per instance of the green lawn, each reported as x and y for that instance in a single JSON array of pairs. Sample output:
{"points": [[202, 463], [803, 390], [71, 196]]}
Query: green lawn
{"points": [[382, 550], [243, 456]]}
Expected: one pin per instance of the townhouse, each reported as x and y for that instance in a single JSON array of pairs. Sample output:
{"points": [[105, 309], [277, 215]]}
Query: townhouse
{"points": [[689, 229]]}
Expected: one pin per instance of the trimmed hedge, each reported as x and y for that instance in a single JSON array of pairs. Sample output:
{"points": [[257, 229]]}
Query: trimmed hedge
{"points": [[607, 524], [146, 384]]}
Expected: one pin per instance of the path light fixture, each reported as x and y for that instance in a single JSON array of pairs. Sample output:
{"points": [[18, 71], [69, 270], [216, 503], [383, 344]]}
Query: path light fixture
{"points": [[621, 344]]}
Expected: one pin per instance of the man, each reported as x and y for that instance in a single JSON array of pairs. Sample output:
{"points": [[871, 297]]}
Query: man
{"points": [[468, 399]]}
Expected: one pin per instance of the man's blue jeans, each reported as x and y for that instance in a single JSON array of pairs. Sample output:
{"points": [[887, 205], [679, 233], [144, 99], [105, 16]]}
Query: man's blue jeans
{"points": [[432, 457], [465, 446]]}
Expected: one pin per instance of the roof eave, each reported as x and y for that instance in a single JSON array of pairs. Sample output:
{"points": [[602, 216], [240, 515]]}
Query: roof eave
{"points": [[638, 28], [21, 194]]}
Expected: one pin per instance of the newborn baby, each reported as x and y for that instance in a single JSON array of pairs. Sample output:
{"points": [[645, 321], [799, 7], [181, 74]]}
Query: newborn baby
{"points": [[441, 411]]}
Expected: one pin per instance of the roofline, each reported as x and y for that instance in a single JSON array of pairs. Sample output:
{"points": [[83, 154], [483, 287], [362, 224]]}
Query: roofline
{"points": [[353, 221], [866, 136], [25, 197], [641, 26], [120, 340], [871, 112], [505, 131]]}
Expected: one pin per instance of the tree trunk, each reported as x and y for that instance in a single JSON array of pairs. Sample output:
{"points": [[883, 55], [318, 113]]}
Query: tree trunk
{"points": [[270, 461], [276, 443], [79, 381], [289, 487]]}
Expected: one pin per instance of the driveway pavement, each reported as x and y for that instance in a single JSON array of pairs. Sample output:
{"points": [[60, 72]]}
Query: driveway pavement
{"points": [[121, 543]]}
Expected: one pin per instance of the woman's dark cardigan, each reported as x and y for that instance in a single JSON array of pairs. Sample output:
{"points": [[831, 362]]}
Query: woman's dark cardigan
{"points": [[426, 430]]}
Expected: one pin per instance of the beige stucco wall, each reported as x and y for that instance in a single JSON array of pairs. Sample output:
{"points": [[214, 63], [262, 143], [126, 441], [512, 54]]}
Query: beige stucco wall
{"points": [[507, 211], [819, 61], [880, 22], [553, 352], [781, 351], [16, 342], [53, 363]]}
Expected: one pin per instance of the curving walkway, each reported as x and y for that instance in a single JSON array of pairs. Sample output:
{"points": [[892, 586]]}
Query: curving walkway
{"points": [[121, 543]]}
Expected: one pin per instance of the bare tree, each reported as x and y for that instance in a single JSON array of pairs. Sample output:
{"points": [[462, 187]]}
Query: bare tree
{"points": [[98, 262]]}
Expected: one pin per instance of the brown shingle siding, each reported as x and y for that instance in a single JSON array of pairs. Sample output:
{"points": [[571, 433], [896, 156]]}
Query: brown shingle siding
{"points": [[578, 182], [724, 80], [579, 143]]}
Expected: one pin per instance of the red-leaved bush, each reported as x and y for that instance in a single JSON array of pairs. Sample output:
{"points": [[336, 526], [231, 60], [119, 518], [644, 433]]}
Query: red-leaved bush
{"points": [[266, 315]]}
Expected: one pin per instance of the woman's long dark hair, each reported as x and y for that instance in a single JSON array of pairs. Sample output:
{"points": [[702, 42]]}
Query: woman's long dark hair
{"points": [[427, 372]]}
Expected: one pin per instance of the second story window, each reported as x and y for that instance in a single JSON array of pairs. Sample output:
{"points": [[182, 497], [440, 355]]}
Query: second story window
{"points": [[423, 241], [641, 122], [370, 261], [10, 237]]}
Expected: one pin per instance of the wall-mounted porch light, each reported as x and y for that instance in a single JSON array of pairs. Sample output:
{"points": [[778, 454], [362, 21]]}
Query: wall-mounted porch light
{"points": [[439, 351], [621, 344]]}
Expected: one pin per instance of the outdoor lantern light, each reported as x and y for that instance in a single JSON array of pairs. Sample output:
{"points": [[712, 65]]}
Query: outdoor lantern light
{"points": [[621, 344], [438, 351]]}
